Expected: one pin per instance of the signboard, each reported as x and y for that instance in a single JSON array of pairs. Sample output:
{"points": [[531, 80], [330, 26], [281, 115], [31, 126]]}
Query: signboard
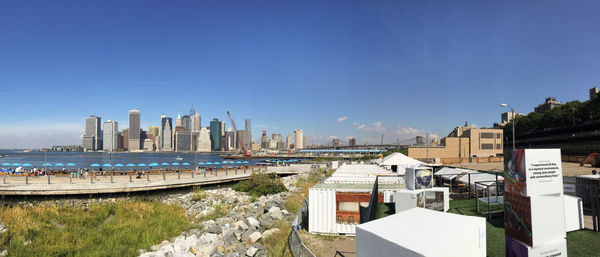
{"points": [[419, 178], [534, 172], [534, 217]]}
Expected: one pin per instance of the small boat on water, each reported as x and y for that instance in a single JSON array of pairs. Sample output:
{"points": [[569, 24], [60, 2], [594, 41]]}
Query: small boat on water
{"points": [[179, 158]]}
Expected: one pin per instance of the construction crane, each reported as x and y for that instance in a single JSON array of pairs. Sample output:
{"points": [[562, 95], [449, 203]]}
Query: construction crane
{"points": [[244, 151]]}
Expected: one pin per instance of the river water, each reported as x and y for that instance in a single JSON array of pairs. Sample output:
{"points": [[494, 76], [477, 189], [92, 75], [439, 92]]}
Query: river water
{"points": [[85, 160]]}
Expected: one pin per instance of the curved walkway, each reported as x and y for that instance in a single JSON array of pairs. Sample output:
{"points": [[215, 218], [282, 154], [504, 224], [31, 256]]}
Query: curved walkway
{"points": [[64, 185]]}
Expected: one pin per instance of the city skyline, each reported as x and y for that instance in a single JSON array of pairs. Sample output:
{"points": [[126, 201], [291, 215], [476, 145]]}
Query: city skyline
{"points": [[336, 70]]}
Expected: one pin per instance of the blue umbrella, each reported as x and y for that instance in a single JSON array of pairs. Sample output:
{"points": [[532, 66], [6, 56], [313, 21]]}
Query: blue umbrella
{"points": [[6, 164], [70, 164], [238, 162], [95, 165], [209, 163], [16, 164], [141, 165], [59, 164], [245, 162], [165, 164], [215, 163], [26, 165], [200, 163], [107, 165], [47, 164], [130, 165], [175, 164], [119, 165], [185, 164], [225, 161], [153, 164]]}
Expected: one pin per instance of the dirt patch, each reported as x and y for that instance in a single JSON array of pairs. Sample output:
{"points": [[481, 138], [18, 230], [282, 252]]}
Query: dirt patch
{"points": [[326, 246]]}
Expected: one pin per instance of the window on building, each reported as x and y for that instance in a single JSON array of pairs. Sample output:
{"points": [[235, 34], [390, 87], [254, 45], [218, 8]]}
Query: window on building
{"points": [[486, 135], [351, 219], [497, 135], [497, 146], [487, 146], [348, 206], [339, 219]]}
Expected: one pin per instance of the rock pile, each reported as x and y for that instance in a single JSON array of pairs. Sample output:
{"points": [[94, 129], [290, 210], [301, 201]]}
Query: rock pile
{"points": [[239, 233]]}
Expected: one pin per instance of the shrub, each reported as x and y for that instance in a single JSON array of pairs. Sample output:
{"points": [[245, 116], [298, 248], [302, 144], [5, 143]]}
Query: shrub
{"points": [[199, 195], [219, 212], [261, 184]]}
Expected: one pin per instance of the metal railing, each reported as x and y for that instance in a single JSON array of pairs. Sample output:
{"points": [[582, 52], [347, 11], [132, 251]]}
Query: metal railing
{"points": [[297, 248], [126, 176]]}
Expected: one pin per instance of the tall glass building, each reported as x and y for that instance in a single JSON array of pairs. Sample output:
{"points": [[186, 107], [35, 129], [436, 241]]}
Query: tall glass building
{"points": [[215, 135]]}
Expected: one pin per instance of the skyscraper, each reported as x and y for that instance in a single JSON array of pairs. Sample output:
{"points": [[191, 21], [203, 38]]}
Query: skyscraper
{"points": [[166, 133], [92, 138], [203, 141], [196, 122], [288, 141], [298, 139], [110, 136], [215, 135], [126, 139], [178, 122], [186, 122], [248, 135], [134, 130]]}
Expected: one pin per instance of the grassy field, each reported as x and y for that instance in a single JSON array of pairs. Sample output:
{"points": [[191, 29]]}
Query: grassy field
{"points": [[581, 243], [117, 229]]}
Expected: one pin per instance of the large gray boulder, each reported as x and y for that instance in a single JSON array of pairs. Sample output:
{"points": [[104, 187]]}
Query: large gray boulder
{"points": [[275, 213], [254, 237], [253, 222]]}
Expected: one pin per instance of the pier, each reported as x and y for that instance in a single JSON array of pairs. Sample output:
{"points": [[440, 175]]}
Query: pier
{"points": [[102, 184]]}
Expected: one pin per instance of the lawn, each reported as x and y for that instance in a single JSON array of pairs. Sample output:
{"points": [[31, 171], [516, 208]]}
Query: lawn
{"points": [[117, 229], [579, 243]]}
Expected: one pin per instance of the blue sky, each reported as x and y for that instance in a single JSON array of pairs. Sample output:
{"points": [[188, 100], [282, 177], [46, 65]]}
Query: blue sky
{"points": [[401, 68]]}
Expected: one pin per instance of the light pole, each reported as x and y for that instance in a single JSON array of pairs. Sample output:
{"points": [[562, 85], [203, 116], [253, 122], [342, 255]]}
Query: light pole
{"points": [[514, 119]]}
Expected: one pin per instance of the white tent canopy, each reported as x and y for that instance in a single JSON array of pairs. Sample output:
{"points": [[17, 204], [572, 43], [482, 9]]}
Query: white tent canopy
{"points": [[489, 179], [422, 232], [448, 173], [400, 160]]}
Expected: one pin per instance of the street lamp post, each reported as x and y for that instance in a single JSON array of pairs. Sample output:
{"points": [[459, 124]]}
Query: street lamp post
{"points": [[514, 119]]}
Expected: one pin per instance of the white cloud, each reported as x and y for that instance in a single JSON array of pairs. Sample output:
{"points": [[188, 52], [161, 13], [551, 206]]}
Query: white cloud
{"points": [[409, 133], [340, 119], [377, 127]]}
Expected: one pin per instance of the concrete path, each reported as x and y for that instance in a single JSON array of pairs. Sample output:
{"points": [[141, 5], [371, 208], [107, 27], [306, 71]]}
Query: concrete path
{"points": [[64, 185]]}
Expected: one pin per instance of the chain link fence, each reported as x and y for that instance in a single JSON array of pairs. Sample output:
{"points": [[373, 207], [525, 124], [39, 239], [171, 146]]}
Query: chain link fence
{"points": [[297, 248]]}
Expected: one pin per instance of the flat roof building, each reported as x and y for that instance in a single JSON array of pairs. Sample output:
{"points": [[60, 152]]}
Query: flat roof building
{"points": [[463, 142]]}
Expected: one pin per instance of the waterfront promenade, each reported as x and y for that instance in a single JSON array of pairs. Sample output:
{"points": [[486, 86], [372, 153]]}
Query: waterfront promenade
{"points": [[67, 185]]}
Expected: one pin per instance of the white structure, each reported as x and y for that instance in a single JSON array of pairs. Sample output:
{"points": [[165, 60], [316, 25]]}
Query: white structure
{"points": [[324, 207], [447, 174], [421, 232], [400, 161], [203, 140], [298, 139], [479, 181], [110, 135], [437, 198]]}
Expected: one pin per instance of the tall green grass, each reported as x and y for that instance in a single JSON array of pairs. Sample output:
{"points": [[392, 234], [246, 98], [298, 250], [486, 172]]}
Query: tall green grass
{"points": [[117, 229]]}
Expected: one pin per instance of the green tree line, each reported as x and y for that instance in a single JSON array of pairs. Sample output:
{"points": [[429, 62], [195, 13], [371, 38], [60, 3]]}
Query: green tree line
{"points": [[569, 114]]}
